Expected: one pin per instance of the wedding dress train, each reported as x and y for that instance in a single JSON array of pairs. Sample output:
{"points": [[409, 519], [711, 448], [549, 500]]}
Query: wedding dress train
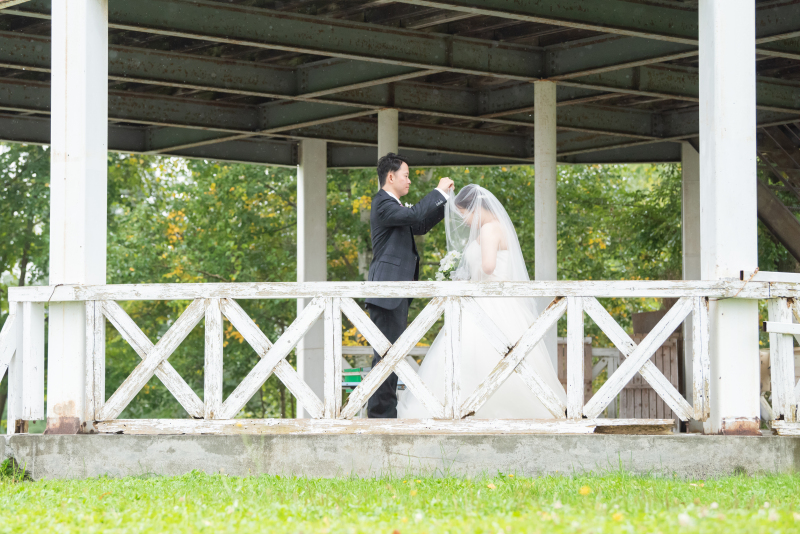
{"points": [[513, 399]]}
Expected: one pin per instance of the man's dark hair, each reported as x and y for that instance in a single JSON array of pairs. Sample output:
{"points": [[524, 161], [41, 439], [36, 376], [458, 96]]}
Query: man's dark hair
{"points": [[391, 162]]}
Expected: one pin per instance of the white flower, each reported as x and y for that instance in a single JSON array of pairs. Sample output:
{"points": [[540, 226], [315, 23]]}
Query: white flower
{"points": [[409, 205], [439, 277]]}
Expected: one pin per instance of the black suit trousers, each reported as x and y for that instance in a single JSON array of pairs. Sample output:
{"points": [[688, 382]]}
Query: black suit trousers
{"points": [[392, 323]]}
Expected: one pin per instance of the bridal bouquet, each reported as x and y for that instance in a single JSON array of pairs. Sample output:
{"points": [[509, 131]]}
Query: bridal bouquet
{"points": [[447, 266]]}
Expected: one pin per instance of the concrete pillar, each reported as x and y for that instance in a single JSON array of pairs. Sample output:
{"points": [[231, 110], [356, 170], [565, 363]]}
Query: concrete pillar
{"points": [[546, 169], [312, 257], [79, 143], [728, 206], [388, 131], [690, 229]]}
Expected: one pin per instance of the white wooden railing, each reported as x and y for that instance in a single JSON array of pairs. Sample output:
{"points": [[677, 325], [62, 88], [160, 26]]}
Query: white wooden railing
{"points": [[783, 331], [330, 300]]}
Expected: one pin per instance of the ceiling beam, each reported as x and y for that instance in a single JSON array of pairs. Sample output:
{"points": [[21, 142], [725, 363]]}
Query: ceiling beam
{"points": [[261, 28], [667, 152], [4, 4], [191, 123], [676, 23]]}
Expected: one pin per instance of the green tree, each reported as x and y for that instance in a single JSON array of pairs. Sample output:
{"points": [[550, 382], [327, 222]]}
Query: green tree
{"points": [[24, 215]]}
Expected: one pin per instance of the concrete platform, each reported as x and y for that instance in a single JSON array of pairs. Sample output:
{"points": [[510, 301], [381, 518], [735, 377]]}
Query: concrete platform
{"points": [[686, 456]]}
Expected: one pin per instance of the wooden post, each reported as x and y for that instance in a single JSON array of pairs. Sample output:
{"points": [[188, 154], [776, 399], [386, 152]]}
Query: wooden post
{"points": [[333, 358], [728, 195], [26, 372], [700, 360], [575, 397], [212, 396], [95, 361], [15, 382], [78, 168], [781, 355], [452, 359]]}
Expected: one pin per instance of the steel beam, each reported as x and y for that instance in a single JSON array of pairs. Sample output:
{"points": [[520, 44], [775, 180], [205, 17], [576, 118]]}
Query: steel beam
{"points": [[262, 28], [503, 105], [677, 24], [192, 123], [266, 151], [665, 152]]}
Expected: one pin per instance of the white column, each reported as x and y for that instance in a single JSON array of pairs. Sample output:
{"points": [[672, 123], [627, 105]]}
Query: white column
{"points": [[388, 131], [79, 143], [312, 257], [690, 229], [545, 166], [728, 205]]}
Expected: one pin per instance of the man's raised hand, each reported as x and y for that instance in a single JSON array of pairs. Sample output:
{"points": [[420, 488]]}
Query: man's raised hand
{"points": [[445, 185]]}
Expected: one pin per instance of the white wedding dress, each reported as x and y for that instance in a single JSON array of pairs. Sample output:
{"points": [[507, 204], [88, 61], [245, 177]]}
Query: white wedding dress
{"points": [[513, 399]]}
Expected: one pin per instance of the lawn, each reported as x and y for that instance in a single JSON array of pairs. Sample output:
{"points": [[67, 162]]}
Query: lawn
{"points": [[613, 502]]}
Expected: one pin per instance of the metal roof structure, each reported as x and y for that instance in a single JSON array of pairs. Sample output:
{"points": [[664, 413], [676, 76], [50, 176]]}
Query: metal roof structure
{"points": [[244, 80]]}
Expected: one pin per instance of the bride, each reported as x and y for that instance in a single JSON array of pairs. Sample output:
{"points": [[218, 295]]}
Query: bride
{"points": [[478, 226]]}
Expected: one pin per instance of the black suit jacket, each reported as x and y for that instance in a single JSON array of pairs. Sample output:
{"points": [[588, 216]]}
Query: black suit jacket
{"points": [[394, 253]]}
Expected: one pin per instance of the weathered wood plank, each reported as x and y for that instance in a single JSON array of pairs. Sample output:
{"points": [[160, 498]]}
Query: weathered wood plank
{"points": [[88, 400], [452, 358], [337, 356], [91, 399], [332, 359], [418, 388], [613, 363], [649, 371], [543, 392], [271, 359], [781, 349], [99, 359], [379, 343], [701, 360], [381, 426], [638, 358], [261, 344], [575, 394], [365, 326], [429, 315], [786, 428], [15, 383], [767, 276], [489, 328], [142, 345], [286, 290], [507, 365], [212, 371], [503, 346], [779, 327], [8, 340], [148, 366], [32, 354]]}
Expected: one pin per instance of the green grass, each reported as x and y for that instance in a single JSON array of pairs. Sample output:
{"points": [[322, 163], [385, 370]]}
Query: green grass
{"points": [[197, 502]]}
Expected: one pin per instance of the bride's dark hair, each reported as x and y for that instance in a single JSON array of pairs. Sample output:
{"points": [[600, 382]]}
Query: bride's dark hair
{"points": [[467, 198]]}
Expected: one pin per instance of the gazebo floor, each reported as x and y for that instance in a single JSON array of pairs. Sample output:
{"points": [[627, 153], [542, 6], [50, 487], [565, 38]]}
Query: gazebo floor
{"points": [[375, 455], [383, 426]]}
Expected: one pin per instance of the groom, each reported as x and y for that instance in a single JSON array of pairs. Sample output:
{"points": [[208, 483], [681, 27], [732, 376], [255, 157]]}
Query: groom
{"points": [[395, 258]]}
